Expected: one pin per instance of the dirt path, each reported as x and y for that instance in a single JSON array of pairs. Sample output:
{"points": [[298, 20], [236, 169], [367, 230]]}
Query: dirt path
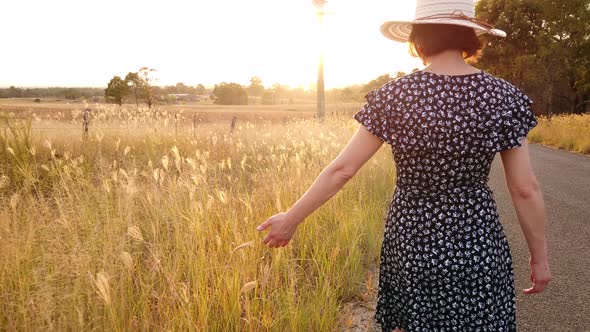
{"points": [[565, 305], [358, 315]]}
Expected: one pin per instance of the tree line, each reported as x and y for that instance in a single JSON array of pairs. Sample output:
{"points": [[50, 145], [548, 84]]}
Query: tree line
{"points": [[138, 87], [236, 94], [57, 92], [546, 51]]}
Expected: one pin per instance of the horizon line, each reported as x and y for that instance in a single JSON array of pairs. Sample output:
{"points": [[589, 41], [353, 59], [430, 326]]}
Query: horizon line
{"points": [[2, 86]]}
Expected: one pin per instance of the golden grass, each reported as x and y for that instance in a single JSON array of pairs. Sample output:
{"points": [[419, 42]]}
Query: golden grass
{"points": [[151, 228], [144, 225], [570, 132]]}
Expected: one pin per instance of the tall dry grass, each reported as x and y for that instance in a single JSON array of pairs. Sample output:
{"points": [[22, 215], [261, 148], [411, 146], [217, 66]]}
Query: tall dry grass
{"points": [[570, 132], [152, 229]]}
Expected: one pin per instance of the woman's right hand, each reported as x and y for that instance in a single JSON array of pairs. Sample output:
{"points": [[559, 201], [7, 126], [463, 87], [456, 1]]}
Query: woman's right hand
{"points": [[540, 276], [282, 228]]}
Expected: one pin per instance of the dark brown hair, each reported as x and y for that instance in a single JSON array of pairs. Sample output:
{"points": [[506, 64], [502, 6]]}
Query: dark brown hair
{"points": [[430, 39]]}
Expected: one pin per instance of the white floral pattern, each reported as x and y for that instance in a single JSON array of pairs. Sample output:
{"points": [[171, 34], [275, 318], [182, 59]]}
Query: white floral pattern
{"points": [[445, 260]]}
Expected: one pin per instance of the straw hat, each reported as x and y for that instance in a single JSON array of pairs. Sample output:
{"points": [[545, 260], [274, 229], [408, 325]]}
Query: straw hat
{"points": [[460, 12]]}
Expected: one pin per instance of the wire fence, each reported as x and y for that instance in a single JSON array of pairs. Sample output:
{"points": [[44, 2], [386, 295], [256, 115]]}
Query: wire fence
{"points": [[176, 127], [173, 123]]}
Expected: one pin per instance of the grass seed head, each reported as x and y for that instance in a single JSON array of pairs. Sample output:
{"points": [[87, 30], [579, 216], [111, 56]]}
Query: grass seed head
{"points": [[127, 260], [47, 144], [243, 245], [248, 286], [222, 196], [175, 152], [102, 287], [14, 200], [165, 162], [265, 275], [135, 233], [4, 180]]}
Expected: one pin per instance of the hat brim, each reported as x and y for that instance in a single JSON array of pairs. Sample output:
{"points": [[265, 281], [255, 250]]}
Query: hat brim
{"points": [[400, 30]]}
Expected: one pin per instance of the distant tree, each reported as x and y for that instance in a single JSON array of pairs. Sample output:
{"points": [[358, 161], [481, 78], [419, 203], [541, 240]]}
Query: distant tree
{"points": [[376, 83], [182, 88], [278, 92], [200, 89], [116, 90], [255, 88], [159, 93], [229, 94], [399, 74], [268, 98], [147, 76], [14, 92], [72, 94], [134, 83], [347, 94]]}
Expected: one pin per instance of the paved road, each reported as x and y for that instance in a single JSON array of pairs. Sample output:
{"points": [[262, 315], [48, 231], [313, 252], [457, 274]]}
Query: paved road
{"points": [[565, 181], [565, 305]]}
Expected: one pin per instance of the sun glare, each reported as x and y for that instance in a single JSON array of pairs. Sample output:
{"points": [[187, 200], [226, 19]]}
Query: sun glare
{"points": [[200, 42]]}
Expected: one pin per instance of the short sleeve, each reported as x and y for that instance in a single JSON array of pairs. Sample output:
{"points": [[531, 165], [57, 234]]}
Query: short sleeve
{"points": [[518, 120], [374, 115]]}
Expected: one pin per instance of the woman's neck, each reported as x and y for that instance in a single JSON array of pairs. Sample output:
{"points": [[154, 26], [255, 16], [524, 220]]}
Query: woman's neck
{"points": [[449, 62]]}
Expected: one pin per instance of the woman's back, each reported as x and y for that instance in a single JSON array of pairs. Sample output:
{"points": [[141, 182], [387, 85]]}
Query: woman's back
{"points": [[445, 256], [445, 129]]}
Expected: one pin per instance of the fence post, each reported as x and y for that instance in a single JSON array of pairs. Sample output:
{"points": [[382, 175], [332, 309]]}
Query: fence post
{"points": [[176, 124], [194, 125], [85, 121], [233, 124]]}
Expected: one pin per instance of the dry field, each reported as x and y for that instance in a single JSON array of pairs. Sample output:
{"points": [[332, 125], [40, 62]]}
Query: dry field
{"points": [[189, 112], [141, 225], [569, 132], [148, 222]]}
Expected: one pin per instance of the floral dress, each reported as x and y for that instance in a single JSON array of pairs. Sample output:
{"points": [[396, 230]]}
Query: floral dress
{"points": [[445, 261]]}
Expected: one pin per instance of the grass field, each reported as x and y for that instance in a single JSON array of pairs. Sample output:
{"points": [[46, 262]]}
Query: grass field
{"points": [[144, 227], [148, 222]]}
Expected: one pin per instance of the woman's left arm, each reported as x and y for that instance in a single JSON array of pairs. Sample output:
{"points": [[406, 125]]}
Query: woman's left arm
{"points": [[361, 147]]}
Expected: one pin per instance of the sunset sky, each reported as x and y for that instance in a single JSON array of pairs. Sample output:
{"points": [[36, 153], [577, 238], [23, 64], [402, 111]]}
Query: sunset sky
{"points": [[85, 43]]}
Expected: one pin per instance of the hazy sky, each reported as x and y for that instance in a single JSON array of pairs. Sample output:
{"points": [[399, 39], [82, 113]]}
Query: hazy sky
{"points": [[86, 42]]}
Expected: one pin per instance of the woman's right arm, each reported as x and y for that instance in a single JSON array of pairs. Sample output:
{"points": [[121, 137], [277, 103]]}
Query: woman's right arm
{"points": [[530, 209], [361, 147]]}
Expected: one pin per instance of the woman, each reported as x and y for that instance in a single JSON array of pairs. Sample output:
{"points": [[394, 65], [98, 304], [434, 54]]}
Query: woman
{"points": [[445, 261]]}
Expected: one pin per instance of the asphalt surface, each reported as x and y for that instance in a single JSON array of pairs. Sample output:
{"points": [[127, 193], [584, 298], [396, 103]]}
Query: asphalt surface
{"points": [[565, 304], [565, 182]]}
